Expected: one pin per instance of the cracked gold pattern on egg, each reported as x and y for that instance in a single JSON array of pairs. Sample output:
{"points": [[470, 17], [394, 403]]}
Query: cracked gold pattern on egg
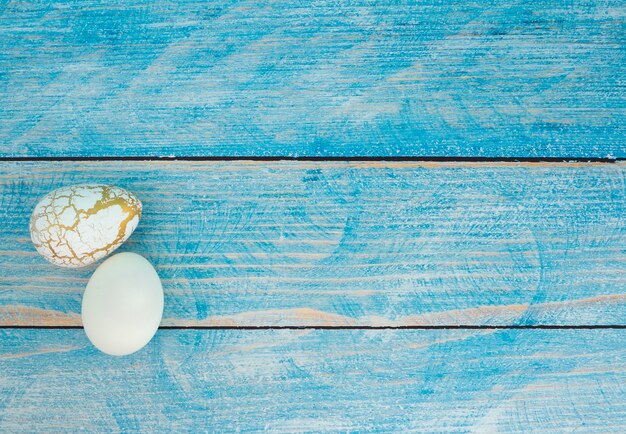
{"points": [[78, 225]]}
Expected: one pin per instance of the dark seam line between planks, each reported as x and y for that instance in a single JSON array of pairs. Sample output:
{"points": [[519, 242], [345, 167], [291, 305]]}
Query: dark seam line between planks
{"points": [[329, 158], [433, 327]]}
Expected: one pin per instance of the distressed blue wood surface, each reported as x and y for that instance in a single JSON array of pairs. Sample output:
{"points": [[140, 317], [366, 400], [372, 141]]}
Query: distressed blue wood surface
{"points": [[309, 381], [261, 244], [329, 243], [466, 78]]}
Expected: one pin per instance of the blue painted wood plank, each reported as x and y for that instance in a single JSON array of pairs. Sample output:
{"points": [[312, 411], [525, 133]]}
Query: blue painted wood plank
{"points": [[489, 78], [295, 381], [331, 243]]}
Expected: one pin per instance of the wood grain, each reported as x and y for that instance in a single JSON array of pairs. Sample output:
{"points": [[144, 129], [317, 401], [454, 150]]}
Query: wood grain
{"points": [[333, 243], [488, 78], [302, 381]]}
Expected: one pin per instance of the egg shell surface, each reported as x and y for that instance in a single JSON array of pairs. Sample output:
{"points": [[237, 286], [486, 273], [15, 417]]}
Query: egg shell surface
{"points": [[76, 226], [122, 304]]}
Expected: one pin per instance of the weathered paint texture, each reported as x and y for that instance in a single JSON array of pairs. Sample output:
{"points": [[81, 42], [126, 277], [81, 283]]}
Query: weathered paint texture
{"points": [[310, 380], [325, 243], [328, 243], [486, 78]]}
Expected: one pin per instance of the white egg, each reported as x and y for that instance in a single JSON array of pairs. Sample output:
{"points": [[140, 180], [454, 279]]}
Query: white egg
{"points": [[123, 304], [75, 226]]}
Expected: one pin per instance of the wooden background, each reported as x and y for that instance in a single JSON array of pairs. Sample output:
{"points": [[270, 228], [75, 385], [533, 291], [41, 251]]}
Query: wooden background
{"points": [[367, 216]]}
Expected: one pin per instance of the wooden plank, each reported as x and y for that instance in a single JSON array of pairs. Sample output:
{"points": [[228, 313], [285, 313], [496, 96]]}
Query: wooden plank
{"points": [[467, 78], [340, 380], [333, 243]]}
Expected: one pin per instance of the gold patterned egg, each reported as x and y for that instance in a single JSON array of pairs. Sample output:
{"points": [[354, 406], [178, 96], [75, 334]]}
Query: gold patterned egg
{"points": [[75, 226]]}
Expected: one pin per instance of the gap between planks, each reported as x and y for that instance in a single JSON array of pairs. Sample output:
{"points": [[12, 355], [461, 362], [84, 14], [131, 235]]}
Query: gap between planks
{"points": [[350, 159], [313, 327]]}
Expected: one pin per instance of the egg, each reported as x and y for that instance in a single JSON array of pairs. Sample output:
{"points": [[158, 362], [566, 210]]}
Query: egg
{"points": [[78, 225], [122, 304]]}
